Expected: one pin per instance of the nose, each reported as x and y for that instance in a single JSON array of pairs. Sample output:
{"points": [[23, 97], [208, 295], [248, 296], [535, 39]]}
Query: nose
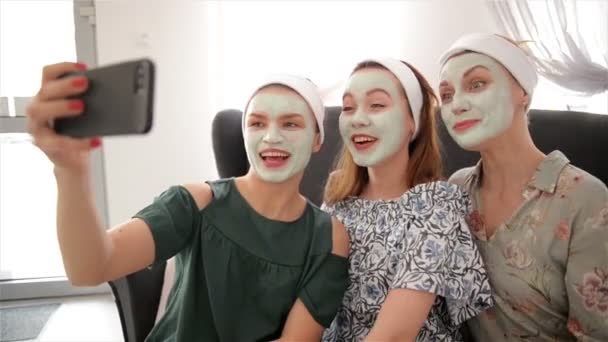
{"points": [[360, 119], [273, 135], [458, 110], [460, 105]]}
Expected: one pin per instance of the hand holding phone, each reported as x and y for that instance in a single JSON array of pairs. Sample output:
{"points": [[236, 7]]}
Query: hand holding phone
{"points": [[119, 101]]}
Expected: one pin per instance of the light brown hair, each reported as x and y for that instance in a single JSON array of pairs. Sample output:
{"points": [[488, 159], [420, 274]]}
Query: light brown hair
{"points": [[424, 163]]}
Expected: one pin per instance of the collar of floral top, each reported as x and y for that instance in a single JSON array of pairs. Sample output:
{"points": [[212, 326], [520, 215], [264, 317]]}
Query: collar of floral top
{"points": [[545, 178]]}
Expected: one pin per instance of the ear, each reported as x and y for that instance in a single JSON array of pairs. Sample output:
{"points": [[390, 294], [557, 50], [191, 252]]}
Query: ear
{"points": [[316, 143], [526, 101]]}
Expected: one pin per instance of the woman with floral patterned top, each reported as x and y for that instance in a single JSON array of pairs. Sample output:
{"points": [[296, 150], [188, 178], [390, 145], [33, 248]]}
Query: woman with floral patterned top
{"points": [[414, 270], [541, 224]]}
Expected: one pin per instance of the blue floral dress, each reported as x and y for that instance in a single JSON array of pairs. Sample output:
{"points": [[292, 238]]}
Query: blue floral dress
{"points": [[419, 241]]}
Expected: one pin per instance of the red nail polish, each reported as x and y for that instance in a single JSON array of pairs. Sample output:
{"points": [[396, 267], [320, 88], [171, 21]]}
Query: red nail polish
{"points": [[79, 82], [95, 142], [76, 105], [80, 66]]}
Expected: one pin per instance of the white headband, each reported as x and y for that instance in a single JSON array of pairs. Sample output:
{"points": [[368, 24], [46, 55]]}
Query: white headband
{"points": [[408, 81], [302, 86], [506, 53]]}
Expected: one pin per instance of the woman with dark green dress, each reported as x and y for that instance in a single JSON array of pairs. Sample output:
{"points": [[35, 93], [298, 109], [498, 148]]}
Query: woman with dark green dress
{"points": [[255, 260]]}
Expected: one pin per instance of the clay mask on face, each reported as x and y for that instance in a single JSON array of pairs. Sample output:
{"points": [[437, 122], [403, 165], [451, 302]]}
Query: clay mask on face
{"points": [[279, 150], [372, 137], [487, 113]]}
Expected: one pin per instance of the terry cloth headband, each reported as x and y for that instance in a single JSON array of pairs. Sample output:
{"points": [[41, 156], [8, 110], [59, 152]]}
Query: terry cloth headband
{"points": [[506, 53], [302, 86], [408, 81]]}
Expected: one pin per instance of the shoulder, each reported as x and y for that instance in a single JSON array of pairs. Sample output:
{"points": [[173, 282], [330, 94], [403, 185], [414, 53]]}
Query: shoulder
{"points": [[340, 239], [340, 209], [330, 228], [440, 193], [201, 193], [439, 207], [587, 192], [459, 177], [574, 181]]}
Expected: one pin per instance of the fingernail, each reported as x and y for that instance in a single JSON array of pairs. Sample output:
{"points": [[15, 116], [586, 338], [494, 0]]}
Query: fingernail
{"points": [[95, 142], [76, 104], [79, 82], [81, 66]]}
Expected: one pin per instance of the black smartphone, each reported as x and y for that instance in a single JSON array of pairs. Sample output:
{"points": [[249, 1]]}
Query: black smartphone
{"points": [[118, 101]]}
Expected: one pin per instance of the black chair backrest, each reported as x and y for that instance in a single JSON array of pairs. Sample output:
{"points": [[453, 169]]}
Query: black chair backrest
{"points": [[137, 296], [583, 138]]}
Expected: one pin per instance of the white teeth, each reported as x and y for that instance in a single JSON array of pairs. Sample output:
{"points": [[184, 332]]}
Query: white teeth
{"points": [[360, 139], [274, 154]]}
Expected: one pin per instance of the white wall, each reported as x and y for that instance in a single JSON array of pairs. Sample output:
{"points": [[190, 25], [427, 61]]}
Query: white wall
{"points": [[178, 149], [432, 25], [179, 32], [323, 40]]}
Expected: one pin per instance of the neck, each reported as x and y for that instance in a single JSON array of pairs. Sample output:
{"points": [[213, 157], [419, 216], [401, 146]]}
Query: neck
{"points": [[276, 201], [510, 161], [388, 180]]}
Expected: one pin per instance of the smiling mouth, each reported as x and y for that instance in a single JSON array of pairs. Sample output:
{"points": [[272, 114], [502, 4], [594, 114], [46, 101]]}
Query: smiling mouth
{"points": [[273, 159], [465, 125], [363, 142]]}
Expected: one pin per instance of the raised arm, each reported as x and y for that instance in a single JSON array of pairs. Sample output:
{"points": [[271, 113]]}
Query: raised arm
{"points": [[91, 255]]}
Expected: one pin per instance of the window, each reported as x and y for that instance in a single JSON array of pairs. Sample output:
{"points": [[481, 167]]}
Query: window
{"points": [[33, 34], [590, 17]]}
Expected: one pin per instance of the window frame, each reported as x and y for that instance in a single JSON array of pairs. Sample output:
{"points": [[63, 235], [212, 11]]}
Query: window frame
{"points": [[86, 51]]}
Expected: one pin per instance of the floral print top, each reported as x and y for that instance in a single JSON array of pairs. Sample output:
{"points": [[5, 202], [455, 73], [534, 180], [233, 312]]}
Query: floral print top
{"points": [[548, 265], [419, 241]]}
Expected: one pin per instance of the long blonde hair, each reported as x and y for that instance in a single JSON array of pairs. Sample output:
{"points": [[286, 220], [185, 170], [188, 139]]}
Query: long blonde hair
{"points": [[424, 165]]}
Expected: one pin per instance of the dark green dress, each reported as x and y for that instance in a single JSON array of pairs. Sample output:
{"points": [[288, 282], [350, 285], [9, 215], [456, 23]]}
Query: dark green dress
{"points": [[238, 273]]}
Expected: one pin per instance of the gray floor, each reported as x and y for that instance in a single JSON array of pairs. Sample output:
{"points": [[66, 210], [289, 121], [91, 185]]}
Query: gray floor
{"points": [[24, 322], [78, 319]]}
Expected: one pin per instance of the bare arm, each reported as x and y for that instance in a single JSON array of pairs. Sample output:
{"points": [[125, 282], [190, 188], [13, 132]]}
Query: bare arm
{"points": [[300, 325], [402, 315], [92, 255]]}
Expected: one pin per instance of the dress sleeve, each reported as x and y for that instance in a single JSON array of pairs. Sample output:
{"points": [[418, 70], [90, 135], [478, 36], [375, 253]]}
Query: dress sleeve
{"points": [[325, 278], [439, 255], [587, 266], [172, 218]]}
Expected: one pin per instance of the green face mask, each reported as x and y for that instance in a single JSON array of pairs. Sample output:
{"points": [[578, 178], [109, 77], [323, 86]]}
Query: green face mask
{"points": [[373, 134], [278, 145], [492, 109]]}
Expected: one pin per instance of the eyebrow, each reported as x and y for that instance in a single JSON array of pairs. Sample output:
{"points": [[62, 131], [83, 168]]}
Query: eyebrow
{"points": [[292, 116], [473, 69], [377, 89], [257, 115], [367, 93]]}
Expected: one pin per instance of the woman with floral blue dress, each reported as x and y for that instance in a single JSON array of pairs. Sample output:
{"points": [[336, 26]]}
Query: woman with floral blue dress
{"points": [[414, 271]]}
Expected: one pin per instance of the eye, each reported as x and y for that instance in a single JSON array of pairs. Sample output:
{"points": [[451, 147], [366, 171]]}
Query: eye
{"points": [[256, 124], [378, 106], [347, 108], [446, 97], [291, 124], [478, 85]]}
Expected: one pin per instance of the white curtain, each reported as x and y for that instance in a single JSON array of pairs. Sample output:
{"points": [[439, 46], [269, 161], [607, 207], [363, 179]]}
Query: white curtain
{"points": [[568, 39]]}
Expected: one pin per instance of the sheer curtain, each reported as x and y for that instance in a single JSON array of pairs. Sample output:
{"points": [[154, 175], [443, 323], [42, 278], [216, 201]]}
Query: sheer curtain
{"points": [[568, 40]]}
